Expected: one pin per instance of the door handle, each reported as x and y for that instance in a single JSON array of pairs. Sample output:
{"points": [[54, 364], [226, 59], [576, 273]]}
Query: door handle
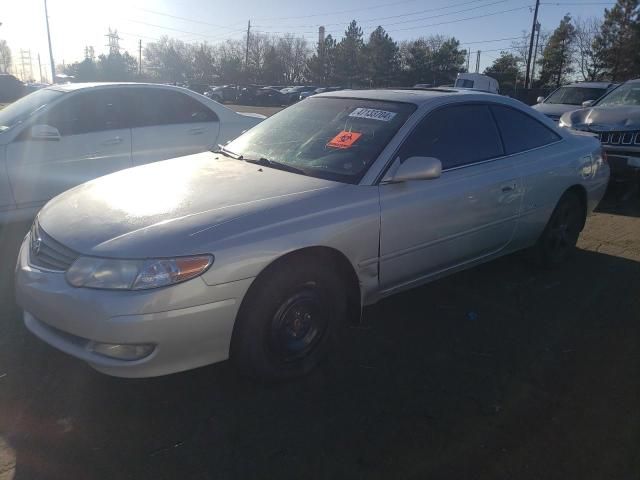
{"points": [[113, 141], [196, 131]]}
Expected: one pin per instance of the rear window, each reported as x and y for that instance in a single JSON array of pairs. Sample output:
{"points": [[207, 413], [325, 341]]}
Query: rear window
{"points": [[333, 138], [574, 95], [520, 131], [464, 83]]}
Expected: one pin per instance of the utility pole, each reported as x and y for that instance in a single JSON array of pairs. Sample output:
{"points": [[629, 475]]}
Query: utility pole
{"points": [[478, 62], [535, 54], [140, 57], [468, 59], [40, 68], [246, 52], [53, 65], [527, 78]]}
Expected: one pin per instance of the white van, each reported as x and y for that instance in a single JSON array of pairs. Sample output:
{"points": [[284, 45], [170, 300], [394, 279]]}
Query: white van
{"points": [[477, 81]]}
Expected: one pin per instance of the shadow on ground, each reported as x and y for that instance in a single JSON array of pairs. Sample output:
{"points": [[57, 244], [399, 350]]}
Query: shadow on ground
{"points": [[500, 372]]}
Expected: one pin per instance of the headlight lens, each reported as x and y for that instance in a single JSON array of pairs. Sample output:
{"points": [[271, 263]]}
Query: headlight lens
{"points": [[115, 274], [561, 124]]}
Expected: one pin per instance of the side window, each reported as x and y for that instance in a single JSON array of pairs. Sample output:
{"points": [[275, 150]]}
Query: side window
{"points": [[87, 112], [520, 131], [157, 106], [456, 135]]}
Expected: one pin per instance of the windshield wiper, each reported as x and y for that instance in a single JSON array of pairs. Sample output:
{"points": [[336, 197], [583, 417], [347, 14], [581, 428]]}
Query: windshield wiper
{"points": [[228, 153], [274, 164]]}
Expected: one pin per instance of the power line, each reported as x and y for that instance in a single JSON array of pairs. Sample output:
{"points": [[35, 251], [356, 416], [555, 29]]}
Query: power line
{"points": [[365, 21], [201, 22], [417, 26]]}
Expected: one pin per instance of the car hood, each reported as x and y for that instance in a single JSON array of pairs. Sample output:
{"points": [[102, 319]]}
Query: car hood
{"points": [[555, 109], [169, 208], [604, 118]]}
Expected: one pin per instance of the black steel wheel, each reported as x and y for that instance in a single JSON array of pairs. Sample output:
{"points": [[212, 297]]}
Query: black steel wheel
{"points": [[288, 319], [558, 241]]}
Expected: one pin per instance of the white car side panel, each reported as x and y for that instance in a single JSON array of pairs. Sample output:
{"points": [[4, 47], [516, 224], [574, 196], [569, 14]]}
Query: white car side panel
{"points": [[40, 170], [155, 143]]}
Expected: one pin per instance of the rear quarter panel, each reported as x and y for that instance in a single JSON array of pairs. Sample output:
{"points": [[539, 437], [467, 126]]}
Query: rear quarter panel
{"points": [[548, 172]]}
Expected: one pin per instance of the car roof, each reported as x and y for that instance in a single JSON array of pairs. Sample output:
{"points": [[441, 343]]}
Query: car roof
{"points": [[70, 87], [590, 84], [417, 96]]}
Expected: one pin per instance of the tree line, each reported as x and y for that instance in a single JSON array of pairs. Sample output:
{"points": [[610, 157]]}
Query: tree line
{"points": [[606, 48]]}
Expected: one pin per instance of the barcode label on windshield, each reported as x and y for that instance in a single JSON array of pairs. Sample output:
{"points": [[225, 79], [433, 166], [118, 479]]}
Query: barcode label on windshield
{"points": [[373, 114]]}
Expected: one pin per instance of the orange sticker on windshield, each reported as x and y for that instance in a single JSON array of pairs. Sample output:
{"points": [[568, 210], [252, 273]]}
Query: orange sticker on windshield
{"points": [[344, 139]]}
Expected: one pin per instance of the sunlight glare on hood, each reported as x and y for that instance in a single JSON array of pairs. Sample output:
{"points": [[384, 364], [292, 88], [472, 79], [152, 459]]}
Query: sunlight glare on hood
{"points": [[146, 191]]}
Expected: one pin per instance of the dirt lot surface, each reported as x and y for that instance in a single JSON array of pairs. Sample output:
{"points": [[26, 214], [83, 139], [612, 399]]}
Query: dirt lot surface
{"points": [[501, 372]]}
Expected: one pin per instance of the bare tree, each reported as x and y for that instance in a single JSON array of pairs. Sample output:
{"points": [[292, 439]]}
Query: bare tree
{"points": [[587, 56], [293, 53], [5, 56]]}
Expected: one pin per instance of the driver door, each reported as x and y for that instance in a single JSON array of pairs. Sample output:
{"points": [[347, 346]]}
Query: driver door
{"points": [[470, 212], [94, 141]]}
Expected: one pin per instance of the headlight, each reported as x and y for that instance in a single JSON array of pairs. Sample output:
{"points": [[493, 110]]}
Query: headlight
{"points": [[561, 124], [115, 274]]}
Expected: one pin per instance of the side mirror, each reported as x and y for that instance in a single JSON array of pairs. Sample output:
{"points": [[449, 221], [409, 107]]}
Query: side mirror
{"points": [[588, 103], [417, 168], [44, 132], [539, 99]]}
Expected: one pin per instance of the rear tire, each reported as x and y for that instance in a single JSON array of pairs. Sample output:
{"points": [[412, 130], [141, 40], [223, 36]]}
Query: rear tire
{"points": [[559, 238], [288, 320]]}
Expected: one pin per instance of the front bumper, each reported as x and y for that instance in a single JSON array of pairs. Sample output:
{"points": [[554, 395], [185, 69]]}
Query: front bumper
{"points": [[625, 165], [189, 324]]}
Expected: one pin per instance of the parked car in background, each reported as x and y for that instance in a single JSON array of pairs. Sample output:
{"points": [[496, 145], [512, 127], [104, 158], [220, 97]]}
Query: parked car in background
{"points": [[310, 93], [223, 93], [615, 118], [270, 97], [293, 93], [61, 136], [10, 88], [476, 81], [571, 97], [263, 251]]}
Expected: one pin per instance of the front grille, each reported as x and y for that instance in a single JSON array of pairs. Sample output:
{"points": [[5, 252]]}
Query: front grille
{"points": [[619, 138], [45, 252]]}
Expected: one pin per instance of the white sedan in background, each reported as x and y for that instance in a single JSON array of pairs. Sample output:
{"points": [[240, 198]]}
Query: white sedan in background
{"points": [[64, 135]]}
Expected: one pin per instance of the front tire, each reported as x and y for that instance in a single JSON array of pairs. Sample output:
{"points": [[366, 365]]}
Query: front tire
{"points": [[559, 238], [288, 320]]}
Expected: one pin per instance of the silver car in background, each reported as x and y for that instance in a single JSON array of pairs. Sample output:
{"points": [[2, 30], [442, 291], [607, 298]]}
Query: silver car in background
{"points": [[263, 251]]}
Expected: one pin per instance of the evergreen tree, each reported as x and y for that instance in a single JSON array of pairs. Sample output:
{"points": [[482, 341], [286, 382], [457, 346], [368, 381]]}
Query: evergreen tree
{"points": [[505, 69], [321, 66], [349, 56], [557, 57], [618, 44], [381, 54]]}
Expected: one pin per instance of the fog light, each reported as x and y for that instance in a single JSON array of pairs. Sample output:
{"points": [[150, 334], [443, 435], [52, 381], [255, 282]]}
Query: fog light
{"points": [[122, 351]]}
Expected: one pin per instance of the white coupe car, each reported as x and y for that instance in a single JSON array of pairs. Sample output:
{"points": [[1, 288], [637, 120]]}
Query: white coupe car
{"points": [[64, 135]]}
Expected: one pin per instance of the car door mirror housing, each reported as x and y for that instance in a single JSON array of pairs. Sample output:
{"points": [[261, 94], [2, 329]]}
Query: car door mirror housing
{"points": [[44, 132], [417, 168], [539, 99], [588, 103]]}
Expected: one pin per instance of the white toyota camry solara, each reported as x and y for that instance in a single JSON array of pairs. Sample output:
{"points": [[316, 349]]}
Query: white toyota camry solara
{"points": [[262, 251]]}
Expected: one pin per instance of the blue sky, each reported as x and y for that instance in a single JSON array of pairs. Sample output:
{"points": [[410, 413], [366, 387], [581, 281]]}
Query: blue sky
{"points": [[76, 23]]}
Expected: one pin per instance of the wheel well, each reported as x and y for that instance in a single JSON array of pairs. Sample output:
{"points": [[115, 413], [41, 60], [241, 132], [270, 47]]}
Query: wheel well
{"points": [[333, 257], [581, 193]]}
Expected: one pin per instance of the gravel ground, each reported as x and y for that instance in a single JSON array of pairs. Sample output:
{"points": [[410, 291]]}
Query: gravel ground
{"points": [[500, 372]]}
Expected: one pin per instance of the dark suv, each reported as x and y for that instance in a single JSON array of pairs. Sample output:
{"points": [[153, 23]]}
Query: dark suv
{"points": [[615, 118], [10, 88]]}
